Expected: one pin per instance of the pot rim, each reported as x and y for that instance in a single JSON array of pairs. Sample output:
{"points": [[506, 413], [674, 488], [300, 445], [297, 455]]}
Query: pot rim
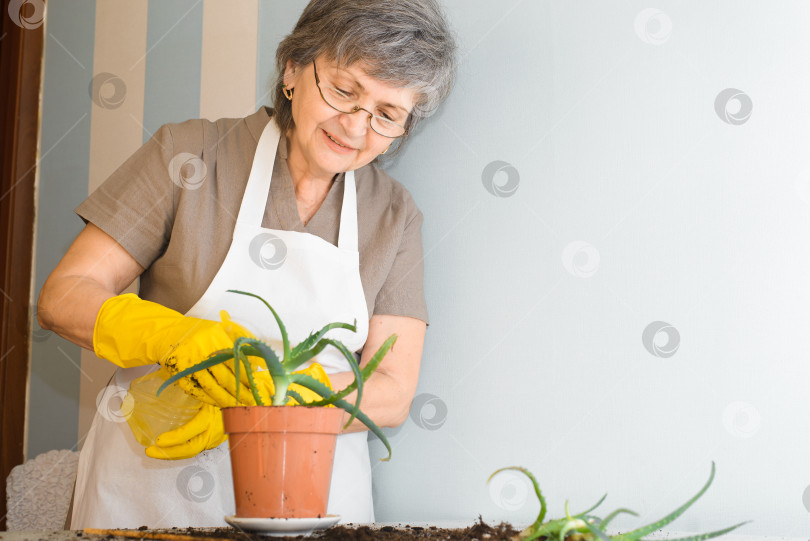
{"points": [[286, 419]]}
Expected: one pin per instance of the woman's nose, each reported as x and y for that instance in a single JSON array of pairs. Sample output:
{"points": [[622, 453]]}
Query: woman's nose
{"points": [[356, 124]]}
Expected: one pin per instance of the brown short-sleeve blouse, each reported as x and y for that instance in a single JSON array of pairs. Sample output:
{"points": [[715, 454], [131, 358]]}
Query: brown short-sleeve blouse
{"points": [[179, 226]]}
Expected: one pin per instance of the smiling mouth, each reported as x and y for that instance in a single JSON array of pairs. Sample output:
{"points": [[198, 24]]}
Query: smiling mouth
{"points": [[338, 142]]}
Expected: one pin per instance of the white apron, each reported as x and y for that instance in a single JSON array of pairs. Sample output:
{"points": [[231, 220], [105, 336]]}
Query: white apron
{"points": [[309, 282]]}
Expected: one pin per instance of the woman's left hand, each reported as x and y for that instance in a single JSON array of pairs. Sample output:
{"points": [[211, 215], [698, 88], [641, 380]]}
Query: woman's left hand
{"points": [[204, 431], [389, 391]]}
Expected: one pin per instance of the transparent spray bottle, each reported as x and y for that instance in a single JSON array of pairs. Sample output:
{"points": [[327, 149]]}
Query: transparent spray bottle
{"points": [[152, 415]]}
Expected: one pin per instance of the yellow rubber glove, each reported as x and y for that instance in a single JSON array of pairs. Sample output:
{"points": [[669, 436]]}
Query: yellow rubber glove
{"points": [[204, 431], [130, 332]]}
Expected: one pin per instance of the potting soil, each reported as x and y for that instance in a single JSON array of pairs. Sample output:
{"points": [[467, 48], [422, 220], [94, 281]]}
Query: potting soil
{"points": [[480, 531]]}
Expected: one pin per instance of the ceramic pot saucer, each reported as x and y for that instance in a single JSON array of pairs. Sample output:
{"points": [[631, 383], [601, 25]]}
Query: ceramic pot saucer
{"points": [[278, 527]]}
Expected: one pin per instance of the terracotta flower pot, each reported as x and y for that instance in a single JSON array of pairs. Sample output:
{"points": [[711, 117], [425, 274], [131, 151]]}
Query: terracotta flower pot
{"points": [[281, 458]]}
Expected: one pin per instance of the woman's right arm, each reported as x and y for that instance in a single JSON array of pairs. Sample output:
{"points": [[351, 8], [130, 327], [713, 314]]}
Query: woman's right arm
{"points": [[94, 269]]}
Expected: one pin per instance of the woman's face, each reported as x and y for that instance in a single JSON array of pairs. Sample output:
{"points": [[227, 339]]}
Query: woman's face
{"points": [[328, 141]]}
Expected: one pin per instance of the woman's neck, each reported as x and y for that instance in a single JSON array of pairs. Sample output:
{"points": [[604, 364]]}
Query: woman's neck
{"points": [[303, 177], [310, 189]]}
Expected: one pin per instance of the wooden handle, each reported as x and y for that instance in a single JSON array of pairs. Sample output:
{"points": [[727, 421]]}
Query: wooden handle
{"points": [[145, 534]]}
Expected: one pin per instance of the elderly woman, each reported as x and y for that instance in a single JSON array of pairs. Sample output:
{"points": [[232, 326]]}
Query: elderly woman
{"points": [[286, 203]]}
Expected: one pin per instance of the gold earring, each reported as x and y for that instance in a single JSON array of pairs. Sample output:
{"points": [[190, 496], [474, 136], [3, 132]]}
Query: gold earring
{"points": [[386, 150], [287, 91]]}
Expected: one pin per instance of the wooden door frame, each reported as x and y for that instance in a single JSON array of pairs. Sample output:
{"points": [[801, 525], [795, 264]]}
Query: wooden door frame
{"points": [[21, 62]]}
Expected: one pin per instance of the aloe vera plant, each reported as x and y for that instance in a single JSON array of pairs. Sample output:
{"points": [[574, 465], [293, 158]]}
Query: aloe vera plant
{"points": [[281, 369], [585, 527]]}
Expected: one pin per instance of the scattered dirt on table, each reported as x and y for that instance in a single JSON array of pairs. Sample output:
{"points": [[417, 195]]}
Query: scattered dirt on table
{"points": [[480, 531]]}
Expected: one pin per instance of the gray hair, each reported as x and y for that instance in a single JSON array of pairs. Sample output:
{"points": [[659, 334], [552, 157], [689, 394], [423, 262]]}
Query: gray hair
{"points": [[405, 43]]}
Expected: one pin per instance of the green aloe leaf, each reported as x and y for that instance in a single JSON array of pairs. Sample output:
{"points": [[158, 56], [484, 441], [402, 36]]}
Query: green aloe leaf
{"points": [[548, 530], [597, 531], [710, 535], [594, 506], [304, 356], [305, 380], [325, 392], [276, 370], [218, 357], [614, 514], [366, 420], [256, 348], [315, 337], [564, 531], [296, 396], [358, 376], [239, 358], [641, 532], [539, 520], [285, 339], [251, 381], [366, 371], [247, 349]]}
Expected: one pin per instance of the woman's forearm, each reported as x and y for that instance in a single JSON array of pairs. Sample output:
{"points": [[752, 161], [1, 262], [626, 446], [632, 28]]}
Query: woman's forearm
{"points": [[68, 306], [94, 269], [388, 393], [384, 400]]}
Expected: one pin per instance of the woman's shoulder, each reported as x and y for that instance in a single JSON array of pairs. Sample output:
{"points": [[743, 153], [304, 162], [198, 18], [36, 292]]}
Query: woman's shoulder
{"points": [[202, 133], [381, 194]]}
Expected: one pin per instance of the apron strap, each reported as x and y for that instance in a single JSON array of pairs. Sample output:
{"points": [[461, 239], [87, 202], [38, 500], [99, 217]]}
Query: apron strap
{"points": [[347, 237], [257, 191]]}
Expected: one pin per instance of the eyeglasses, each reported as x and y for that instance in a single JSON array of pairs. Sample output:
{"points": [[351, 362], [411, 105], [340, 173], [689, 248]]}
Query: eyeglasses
{"points": [[339, 101]]}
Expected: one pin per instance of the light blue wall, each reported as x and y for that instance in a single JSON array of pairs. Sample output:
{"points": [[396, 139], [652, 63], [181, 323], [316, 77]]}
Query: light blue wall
{"points": [[173, 52], [635, 203], [53, 415], [534, 357], [276, 20]]}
